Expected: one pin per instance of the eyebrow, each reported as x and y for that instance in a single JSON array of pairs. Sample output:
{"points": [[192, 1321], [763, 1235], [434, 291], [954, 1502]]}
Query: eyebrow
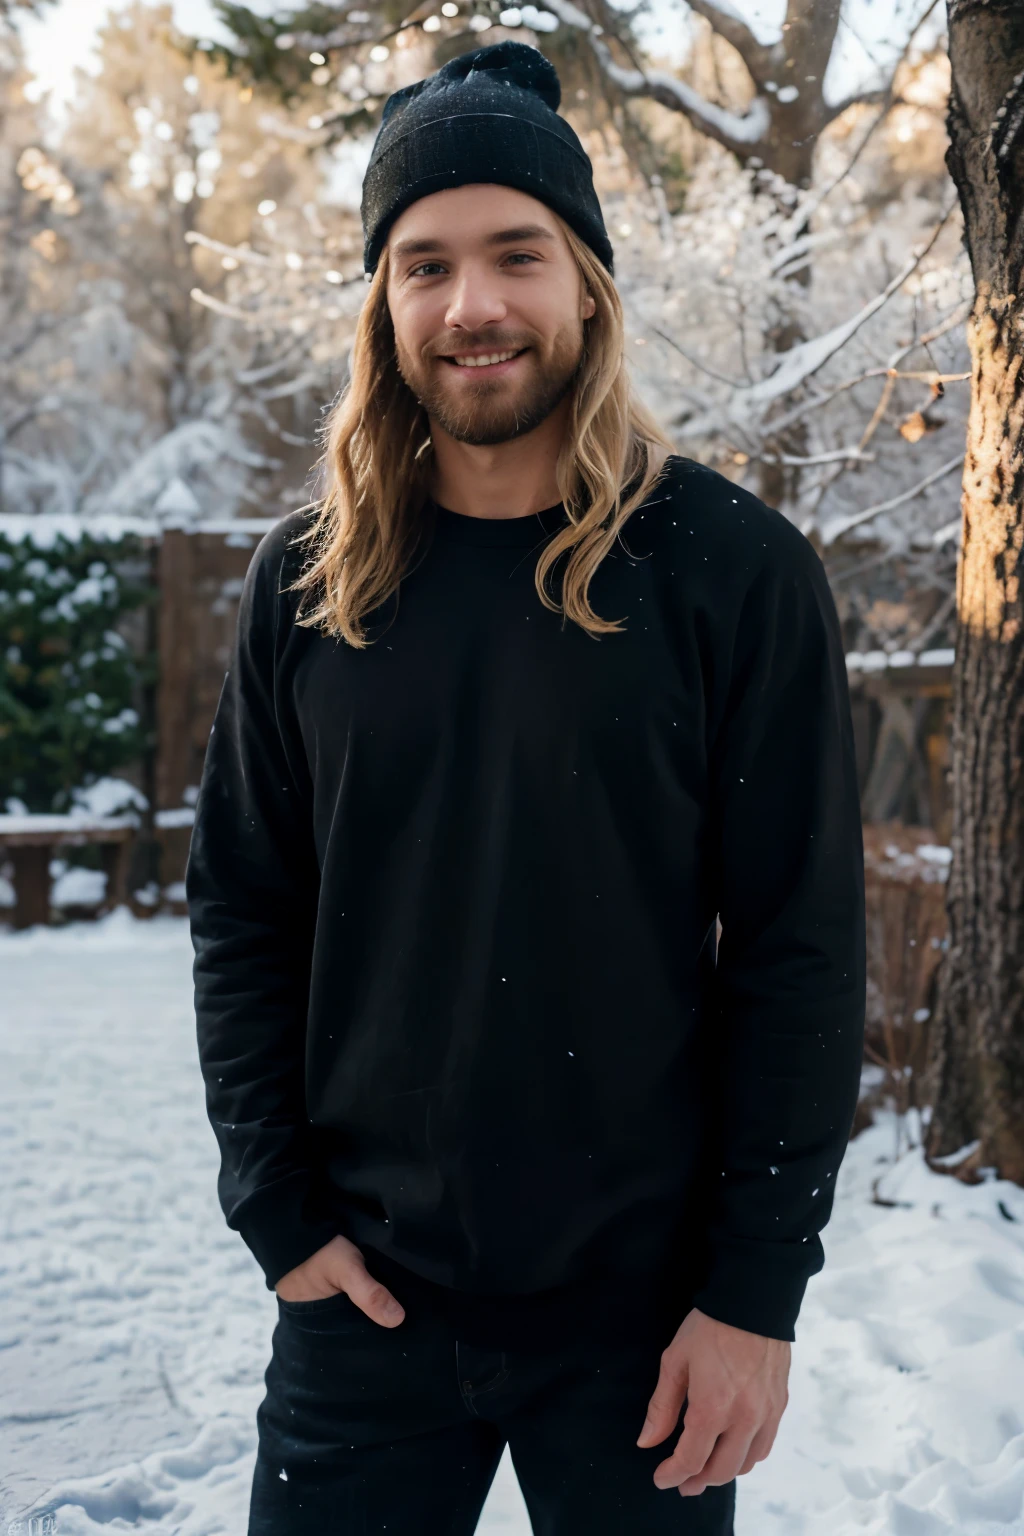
{"points": [[515, 236]]}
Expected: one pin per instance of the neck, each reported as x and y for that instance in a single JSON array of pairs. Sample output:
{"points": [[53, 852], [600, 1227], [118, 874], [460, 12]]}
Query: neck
{"points": [[501, 480]]}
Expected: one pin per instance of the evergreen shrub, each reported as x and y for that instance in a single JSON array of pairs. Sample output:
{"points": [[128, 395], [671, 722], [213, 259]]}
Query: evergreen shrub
{"points": [[70, 683]]}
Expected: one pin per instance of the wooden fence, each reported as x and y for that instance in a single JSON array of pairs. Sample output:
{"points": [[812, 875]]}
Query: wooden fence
{"points": [[901, 725], [200, 574]]}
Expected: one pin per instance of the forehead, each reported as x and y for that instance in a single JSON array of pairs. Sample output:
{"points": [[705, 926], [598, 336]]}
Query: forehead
{"points": [[463, 217]]}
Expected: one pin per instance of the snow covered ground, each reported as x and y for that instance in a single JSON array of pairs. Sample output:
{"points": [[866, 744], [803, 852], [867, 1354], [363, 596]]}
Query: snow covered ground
{"points": [[135, 1328]]}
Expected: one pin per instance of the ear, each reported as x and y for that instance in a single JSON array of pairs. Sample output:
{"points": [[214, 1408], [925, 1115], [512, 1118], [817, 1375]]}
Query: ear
{"points": [[588, 307]]}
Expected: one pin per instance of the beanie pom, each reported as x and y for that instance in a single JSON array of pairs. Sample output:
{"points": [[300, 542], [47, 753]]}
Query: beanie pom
{"points": [[511, 63]]}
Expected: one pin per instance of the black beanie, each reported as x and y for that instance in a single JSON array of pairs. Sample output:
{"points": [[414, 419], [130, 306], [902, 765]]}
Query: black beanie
{"points": [[487, 116]]}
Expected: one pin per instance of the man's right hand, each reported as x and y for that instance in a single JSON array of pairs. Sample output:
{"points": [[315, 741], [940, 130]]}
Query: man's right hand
{"points": [[338, 1266]]}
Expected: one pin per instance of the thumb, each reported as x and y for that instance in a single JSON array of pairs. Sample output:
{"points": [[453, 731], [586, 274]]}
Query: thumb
{"points": [[371, 1296], [666, 1401]]}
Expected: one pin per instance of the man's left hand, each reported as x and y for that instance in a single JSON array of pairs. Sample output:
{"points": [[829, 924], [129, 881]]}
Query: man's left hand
{"points": [[734, 1384]]}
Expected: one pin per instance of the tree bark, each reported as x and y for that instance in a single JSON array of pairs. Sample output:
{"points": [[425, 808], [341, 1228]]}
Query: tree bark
{"points": [[975, 1077]]}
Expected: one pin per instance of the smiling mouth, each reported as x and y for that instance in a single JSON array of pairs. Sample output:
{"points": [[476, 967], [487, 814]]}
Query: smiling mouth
{"points": [[482, 359]]}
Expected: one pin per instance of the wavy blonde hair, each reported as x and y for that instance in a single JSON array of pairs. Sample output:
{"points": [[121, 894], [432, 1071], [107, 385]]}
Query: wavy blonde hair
{"points": [[378, 457]]}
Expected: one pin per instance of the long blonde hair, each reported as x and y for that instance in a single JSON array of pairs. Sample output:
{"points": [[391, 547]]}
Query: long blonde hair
{"points": [[377, 454]]}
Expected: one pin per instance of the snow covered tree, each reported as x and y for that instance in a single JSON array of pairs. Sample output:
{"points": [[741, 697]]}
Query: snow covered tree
{"points": [[150, 124], [174, 146], [977, 1063], [27, 239]]}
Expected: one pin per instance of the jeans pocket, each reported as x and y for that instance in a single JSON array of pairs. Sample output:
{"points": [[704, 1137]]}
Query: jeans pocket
{"points": [[340, 1305]]}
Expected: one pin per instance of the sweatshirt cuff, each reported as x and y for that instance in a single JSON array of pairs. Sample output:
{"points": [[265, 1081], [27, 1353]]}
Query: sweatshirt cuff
{"points": [[759, 1286], [280, 1232]]}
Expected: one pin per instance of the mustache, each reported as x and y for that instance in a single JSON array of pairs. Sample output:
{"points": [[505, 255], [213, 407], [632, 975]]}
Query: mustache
{"points": [[490, 341]]}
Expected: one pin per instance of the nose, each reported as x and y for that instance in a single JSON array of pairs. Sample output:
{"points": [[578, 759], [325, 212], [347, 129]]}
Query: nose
{"points": [[475, 300]]}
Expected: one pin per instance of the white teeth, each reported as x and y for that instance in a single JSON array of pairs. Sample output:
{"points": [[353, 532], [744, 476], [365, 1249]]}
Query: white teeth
{"points": [[483, 362]]}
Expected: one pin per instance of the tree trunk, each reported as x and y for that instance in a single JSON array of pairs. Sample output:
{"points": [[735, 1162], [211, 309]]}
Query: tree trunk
{"points": [[975, 1079]]}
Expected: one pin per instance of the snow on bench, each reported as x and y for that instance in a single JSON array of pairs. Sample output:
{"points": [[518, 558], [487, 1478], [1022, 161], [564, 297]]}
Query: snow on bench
{"points": [[30, 838]]}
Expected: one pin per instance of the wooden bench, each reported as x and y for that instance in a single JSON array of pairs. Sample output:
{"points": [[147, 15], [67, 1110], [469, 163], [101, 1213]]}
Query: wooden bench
{"points": [[32, 840]]}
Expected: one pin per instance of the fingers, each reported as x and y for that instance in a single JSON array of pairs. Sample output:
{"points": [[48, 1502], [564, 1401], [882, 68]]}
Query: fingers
{"points": [[759, 1448], [372, 1297], [701, 1427], [666, 1401], [728, 1458]]}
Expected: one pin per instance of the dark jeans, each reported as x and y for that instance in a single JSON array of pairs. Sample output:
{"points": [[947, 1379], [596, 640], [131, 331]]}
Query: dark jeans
{"points": [[369, 1431]]}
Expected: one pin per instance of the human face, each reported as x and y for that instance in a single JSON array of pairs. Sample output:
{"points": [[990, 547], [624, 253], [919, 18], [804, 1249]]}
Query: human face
{"points": [[487, 305]]}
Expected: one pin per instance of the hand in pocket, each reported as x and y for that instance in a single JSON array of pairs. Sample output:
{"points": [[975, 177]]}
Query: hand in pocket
{"points": [[339, 1266]]}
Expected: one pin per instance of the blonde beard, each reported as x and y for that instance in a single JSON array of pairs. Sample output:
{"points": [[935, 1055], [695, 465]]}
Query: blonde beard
{"points": [[482, 423]]}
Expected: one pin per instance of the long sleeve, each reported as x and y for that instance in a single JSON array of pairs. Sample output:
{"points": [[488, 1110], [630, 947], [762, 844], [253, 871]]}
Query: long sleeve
{"points": [[789, 984], [252, 884]]}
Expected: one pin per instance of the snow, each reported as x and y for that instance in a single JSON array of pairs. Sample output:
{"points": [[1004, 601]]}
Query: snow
{"points": [[43, 823], [106, 804], [45, 528], [76, 886], [877, 661], [180, 816], [136, 1327], [726, 8], [943, 657], [108, 796], [540, 21], [176, 504], [935, 853], [949, 533]]}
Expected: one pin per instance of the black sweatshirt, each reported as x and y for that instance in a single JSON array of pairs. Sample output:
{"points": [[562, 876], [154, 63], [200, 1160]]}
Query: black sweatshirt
{"points": [[453, 904]]}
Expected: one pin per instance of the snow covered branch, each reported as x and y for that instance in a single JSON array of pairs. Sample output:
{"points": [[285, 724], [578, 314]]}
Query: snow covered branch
{"points": [[729, 128], [735, 132], [747, 405], [239, 253], [730, 25], [889, 370]]}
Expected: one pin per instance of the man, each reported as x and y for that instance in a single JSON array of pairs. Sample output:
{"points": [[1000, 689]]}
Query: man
{"points": [[525, 1162]]}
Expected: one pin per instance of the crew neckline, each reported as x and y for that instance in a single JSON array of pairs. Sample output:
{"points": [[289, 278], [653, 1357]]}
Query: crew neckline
{"points": [[467, 529]]}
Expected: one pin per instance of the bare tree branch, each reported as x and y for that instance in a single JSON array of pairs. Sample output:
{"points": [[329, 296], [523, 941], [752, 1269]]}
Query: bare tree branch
{"points": [[882, 96], [842, 525], [889, 370], [695, 361], [729, 24]]}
